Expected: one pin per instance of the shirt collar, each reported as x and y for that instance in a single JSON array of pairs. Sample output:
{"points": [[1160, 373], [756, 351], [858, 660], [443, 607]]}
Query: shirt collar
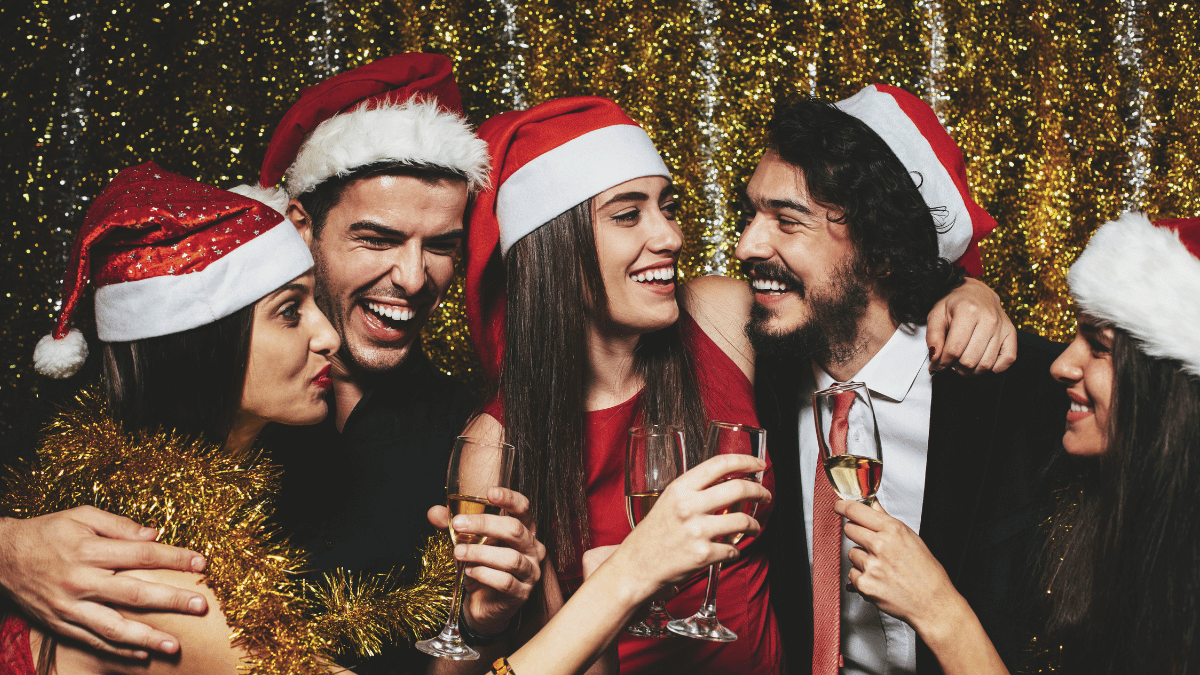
{"points": [[893, 369]]}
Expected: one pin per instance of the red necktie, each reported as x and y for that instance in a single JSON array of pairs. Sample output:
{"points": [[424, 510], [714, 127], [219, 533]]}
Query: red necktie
{"points": [[827, 551]]}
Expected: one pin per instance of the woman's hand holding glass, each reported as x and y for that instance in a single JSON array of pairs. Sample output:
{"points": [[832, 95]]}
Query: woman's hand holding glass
{"points": [[895, 570]]}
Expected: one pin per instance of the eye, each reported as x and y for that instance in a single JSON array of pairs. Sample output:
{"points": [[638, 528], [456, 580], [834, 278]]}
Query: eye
{"points": [[375, 242], [670, 209], [628, 217], [442, 247], [1099, 349], [290, 311]]}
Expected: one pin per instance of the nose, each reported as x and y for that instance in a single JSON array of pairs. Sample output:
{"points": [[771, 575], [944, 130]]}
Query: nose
{"points": [[1068, 367], [667, 238], [324, 338], [408, 268], [754, 244]]}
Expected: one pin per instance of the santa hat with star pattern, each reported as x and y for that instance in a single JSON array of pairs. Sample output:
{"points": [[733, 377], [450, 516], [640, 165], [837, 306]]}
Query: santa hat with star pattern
{"points": [[167, 254], [1144, 278]]}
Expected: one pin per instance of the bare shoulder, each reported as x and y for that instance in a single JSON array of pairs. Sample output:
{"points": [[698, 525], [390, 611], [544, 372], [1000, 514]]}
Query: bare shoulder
{"points": [[485, 427], [721, 307]]}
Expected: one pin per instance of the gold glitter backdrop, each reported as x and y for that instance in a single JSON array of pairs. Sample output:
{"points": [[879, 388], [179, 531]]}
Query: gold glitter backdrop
{"points": [[1068, 110]]}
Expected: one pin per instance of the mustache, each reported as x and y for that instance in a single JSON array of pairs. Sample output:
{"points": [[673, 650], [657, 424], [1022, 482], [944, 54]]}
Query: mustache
{"points": [[427, 293], [772, 271]]}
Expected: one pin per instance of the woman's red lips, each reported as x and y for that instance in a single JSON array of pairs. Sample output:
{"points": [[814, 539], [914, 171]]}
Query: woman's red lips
{"points": [[323, 380]]}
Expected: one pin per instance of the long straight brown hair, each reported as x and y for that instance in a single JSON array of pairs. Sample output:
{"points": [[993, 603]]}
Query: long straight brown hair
{"points": [[1125, 596], [554, 289]]}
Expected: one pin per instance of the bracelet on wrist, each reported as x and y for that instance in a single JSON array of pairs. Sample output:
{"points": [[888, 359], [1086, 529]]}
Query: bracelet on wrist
{"points": [[501, 667]]}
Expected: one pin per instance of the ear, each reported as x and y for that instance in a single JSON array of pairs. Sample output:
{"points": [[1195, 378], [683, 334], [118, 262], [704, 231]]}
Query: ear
{"points": [[301, 219]]}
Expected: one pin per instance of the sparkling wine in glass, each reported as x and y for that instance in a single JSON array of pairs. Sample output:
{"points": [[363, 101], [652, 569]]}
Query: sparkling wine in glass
{"points": [[475, 466], [724, 438], [653, 458], [849, 438]]}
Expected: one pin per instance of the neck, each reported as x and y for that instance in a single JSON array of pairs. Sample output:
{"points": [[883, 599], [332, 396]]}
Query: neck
{"points": [[348, 390], [875, 328], [245, 429], [611, 378]]}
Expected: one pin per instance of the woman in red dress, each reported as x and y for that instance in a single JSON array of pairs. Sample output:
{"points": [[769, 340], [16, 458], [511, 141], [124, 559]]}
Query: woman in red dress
{"points": [[572, 300]]}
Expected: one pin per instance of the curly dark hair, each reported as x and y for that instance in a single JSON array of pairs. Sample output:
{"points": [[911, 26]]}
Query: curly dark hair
{"points": [[848, 166]]}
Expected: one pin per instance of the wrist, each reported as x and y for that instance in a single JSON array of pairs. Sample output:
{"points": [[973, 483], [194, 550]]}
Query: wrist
{"points": [[944, 624], [486, 635]]}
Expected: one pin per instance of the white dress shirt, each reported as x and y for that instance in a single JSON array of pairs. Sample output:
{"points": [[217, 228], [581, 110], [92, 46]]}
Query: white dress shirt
{"points": [[901, 387]]}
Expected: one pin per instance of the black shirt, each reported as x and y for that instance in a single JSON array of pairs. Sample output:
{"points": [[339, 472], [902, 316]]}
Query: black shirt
{"points": [[357, 499]]}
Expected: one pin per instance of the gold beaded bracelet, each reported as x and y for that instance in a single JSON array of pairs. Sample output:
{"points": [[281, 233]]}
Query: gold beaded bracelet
{"points": [[501, 667]]}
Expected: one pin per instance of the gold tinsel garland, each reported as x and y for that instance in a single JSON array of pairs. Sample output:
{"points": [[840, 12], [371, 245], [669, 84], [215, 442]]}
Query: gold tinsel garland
{"points": [[218, 503]]}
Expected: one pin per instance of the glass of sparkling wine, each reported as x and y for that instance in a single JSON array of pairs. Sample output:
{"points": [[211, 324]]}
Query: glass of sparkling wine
{"points": [[653, 458], [724, 438], [849, 438], [475, 466]]}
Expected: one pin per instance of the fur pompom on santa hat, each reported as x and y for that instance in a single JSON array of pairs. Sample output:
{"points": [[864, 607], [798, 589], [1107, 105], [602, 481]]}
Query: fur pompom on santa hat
{"points": [[913, 132], [167, 254], [404, 108], [1144, 278]]}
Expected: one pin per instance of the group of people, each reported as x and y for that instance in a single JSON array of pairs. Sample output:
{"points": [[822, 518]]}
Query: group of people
{"points": [[263, 375]]}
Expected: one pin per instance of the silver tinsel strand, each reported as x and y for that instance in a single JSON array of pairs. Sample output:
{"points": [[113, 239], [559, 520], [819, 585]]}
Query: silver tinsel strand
{"points": [[935, 41], [326, 47], [510, 72], [711, 45], [1141, 127]]}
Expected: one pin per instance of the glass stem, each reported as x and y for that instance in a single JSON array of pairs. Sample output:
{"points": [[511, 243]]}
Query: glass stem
{"points": [[709, 610], [456, 603]]}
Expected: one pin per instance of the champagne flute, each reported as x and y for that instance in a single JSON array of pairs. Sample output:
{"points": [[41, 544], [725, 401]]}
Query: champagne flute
{"points": [[724, 438], [653, 458], [849, 438], [475, 466]]}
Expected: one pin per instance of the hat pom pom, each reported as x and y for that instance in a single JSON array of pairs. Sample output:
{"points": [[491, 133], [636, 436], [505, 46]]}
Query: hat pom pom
{"points": [[273, 197], [60, 359]]}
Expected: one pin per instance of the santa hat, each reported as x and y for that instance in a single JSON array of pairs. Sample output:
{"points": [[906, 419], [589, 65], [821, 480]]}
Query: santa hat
{"points": [[167, 254], [1144, 278], [404, 108], [545, 161], [913, 132]]}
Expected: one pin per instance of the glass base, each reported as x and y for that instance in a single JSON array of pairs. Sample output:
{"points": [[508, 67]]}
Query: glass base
{"points": [[702, 628], [653, 626], [448, 645]]}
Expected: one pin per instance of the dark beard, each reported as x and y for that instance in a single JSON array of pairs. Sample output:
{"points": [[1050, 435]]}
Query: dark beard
{"points": [[830, 335]]}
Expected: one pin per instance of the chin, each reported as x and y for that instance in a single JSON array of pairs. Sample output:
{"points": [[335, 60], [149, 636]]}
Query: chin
{"points": [[1076, 446]]}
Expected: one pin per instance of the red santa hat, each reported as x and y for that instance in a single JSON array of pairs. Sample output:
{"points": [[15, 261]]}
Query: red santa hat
{"points": [[545, 161], [403, 108], [913, 132], [1144, 278], [167, 254]]}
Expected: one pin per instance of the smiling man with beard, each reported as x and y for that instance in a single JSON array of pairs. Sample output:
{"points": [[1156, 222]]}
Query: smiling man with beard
{"points": [[842, 250]]}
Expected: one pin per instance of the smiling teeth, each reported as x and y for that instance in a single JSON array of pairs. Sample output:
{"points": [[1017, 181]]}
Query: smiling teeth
{"points": [[766, 285], [659, 274], [393, 313], [1079, 407]]}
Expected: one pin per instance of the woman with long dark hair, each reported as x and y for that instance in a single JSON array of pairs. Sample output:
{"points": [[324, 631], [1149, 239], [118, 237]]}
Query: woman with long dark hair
{"points": [[571, 297], [1122, 560]]}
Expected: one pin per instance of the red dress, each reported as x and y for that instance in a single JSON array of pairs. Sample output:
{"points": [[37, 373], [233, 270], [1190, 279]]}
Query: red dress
{"points": [[16, 657], [742, 597]]}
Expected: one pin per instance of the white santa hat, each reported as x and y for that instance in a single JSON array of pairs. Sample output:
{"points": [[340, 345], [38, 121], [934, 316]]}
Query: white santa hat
{"points": [[404, 108], [167, 254], [913, 132], [1144, 278]]}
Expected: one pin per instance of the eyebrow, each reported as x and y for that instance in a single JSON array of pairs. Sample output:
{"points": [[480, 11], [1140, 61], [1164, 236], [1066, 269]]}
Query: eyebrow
{"points": [[384, 230], [455, 235], [290, 286], [775, 204], [633, 196]]}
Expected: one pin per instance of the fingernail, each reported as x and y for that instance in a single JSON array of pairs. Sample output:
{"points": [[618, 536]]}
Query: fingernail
{"points": [[198, 563], [141, 656], [196, 604], [460, 523], [167, 646], [148, 533]]}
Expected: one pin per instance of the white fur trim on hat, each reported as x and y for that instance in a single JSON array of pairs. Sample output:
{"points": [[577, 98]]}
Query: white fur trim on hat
{"points": [[273, 197], [570, 174], [415, 131], [60, 359], [1142, 279], [167, 304], [884, 115]]}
